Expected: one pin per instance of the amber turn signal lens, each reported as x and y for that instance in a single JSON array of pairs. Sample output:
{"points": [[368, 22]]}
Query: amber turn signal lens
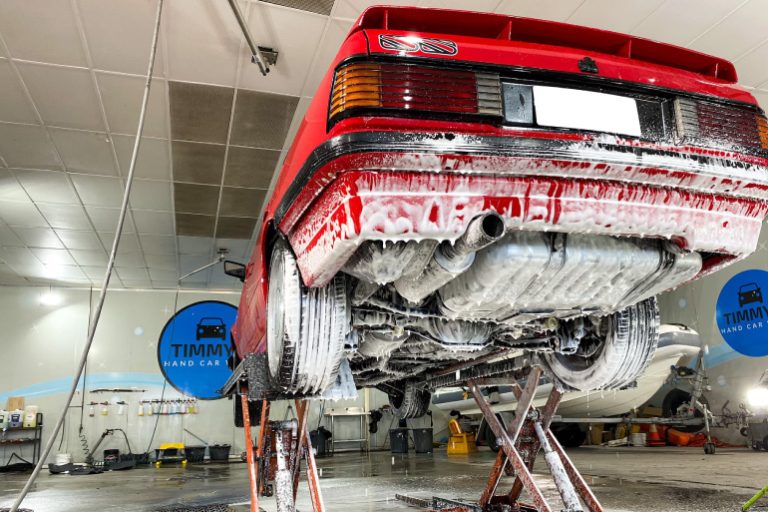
{"points": [[762, 131], [411, 87]]}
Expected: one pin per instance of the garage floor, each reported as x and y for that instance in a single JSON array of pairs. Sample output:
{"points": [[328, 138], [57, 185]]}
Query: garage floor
{"points": [[625, 480]]}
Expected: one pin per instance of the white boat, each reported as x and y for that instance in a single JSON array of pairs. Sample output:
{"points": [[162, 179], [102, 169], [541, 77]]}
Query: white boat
{"points": [[675, 343]]}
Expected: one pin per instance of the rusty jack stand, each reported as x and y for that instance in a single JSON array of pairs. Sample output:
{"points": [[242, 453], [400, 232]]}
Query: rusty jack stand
{"points": [[290, 442], [520, 444]]}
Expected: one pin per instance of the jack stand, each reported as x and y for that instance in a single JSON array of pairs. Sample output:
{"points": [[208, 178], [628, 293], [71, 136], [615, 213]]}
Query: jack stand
{"points": [[520, 444], [280, 448]]}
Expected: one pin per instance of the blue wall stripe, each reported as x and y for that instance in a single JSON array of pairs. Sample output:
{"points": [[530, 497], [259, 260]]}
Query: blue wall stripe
{"points": [[97, 380]]}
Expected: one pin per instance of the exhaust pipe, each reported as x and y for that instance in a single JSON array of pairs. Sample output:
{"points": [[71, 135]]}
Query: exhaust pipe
{"points": [[451, 260]]}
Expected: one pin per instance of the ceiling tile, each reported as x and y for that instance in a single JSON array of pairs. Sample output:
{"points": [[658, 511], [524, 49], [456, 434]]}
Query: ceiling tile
{"points": [[132, 274], [737, 33], [612, 15], [296, 53], [91, 258], [194, 225], [63, 216], [555, 10], [323, 7], [235, 227], [41, 30], [53, 256], [159, 245], [79, 240], [665, 23], [190, 262], [237, 248], [203, 41], [105, 220], [327, 49], [21, 213], [762, 98], [8, 277], [130, 259], [241, 202], [477, 5], [122, 96], [200, 113], [152, 162], [752, 68], [68, 273], [95, 273], [153, 223], [351, 9], [195, 245], [164, 263], [151, 195], [50, 84], [129, 242], [47, 186], [298, 117], [248, 167], [18, 257], [195, 162], [39, 237], [119, 34], [198, 199], [10, 189], [261, 120], [160, 274], [88, 152], [8, 238], [14, 105], [27, 147], [98, 190]]}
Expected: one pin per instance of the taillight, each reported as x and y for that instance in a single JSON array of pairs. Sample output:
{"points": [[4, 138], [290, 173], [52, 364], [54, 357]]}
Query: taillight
{"points": [[412, 87], [721, 126]]}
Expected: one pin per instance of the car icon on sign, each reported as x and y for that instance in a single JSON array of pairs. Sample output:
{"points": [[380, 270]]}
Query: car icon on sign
{"points": [[211, 327], [749, 293]]}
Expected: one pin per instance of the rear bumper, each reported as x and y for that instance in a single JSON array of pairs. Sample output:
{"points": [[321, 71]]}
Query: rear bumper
{"points": [[411, 186]]}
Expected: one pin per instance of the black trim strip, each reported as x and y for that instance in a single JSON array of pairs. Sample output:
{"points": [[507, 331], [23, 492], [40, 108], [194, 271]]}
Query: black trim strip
{"points": [[406, 142]]}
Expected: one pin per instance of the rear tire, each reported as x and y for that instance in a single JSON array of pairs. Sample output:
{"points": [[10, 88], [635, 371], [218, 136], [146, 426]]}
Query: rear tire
{"points": [[306, 327], [411, 402], [629, 341]]}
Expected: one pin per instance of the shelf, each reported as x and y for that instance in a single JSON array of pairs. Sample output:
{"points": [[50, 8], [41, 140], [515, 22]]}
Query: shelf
{"points": [[23, 440]]}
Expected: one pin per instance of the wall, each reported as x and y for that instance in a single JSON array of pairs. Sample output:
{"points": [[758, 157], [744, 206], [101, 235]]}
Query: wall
{"points": [[40, 347], [730, 374]]}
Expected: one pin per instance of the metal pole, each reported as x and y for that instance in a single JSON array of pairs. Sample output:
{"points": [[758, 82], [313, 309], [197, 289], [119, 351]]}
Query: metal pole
{"points": [[255, 52], [252, 478], [108, 273], [559, 475]]}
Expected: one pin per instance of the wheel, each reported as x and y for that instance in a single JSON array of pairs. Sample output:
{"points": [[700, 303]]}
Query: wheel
{"points": [[709, 448], [757, 445], [569, 435], [491, 441], [673, 400], [620, 350], [410, 401], [764, 443], [306, 327]]}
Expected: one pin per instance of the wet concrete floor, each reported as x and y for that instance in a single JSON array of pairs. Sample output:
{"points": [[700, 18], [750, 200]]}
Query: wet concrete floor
{"points": [[624, 480]]}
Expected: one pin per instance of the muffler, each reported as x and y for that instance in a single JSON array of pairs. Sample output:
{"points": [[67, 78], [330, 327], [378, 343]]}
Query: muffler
{"points": [[451, 260]]}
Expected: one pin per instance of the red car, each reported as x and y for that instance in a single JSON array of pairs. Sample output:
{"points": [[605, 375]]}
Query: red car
{"points": [[470, 186]]}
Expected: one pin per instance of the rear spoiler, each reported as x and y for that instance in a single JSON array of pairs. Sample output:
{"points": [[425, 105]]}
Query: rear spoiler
{"points": [[551, 33]]}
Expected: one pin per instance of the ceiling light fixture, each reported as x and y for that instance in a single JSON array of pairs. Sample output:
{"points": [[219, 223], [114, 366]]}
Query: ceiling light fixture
{"points": [[50, 298]]}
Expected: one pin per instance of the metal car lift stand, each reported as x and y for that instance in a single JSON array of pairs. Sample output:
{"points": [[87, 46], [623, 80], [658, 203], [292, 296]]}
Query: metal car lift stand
{"points": [[291, 443], [520, 444]]}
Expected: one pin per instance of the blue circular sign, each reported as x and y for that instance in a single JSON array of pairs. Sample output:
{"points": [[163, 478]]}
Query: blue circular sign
{"points": [[742, 313], [195, 346]]}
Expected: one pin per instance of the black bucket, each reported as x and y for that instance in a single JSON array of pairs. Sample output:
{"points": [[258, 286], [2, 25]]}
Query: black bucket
{"points": [[220, 452], [398, 440], [195, 453], [422, 440]]}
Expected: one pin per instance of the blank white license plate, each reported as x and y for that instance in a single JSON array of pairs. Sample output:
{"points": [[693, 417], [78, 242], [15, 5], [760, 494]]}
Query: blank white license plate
{"points": [[585, 110]]}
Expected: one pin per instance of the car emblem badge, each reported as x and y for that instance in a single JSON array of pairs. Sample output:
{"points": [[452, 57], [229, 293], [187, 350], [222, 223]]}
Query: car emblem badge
{"points": [[588, 65]]}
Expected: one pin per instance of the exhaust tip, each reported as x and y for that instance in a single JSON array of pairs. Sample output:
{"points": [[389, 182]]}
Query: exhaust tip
{"points": [[493, 225]]}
